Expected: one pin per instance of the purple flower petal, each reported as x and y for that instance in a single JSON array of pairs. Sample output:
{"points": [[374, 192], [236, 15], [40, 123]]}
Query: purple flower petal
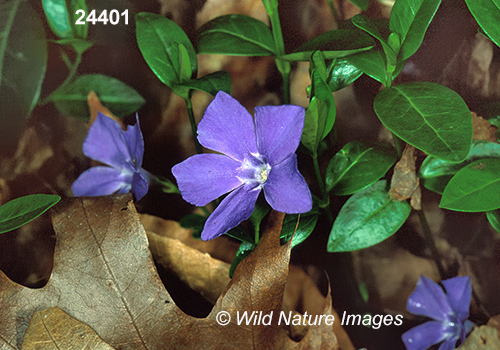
{"points": [[459, 292], [424, 336], [102, 181], [105, 142], [449, 344], [228, 128], [235, 208], [139, 186], [135, 143], [286, 190], [205, 177], [278, 129], [428, 299]]}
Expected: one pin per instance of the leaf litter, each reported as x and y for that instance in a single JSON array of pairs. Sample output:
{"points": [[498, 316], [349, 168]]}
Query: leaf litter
{"points": [[104, 277]]}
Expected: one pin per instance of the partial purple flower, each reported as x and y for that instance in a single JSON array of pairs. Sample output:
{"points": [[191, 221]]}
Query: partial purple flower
{"points": [[255, 155], [107, 143], [449, 311]]}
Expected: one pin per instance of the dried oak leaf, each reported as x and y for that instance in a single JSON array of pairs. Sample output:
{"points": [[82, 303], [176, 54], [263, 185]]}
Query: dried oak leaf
{"points": [[54, 329], [202, 273], [104, 276], [405, 183], [482, 129]]}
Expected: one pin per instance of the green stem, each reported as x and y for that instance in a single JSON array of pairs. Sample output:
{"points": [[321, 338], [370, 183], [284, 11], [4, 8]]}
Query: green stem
{"points": [[72, 70], [284, 67], [257, 234], [431, 244], [325, 199], [189, 107]]}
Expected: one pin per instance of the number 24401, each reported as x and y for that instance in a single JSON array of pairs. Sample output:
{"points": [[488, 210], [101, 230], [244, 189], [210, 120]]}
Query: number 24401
{"points": [[113, 18]]}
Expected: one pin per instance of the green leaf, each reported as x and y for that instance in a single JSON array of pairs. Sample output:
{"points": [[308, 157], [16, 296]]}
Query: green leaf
{"points": [[494, 219], [23, 62], [340, 73], [317, 62], [372, 63], [474, 188], [120, 98], [436, 173], [243, 251], [333, 44], [241, 234], [159, 39], [210, 83], [487, 15], [368, 25], [429, 116], [410, 19], [195, 222], [22, 210], [314, 124], [79, 45], [357, 166], [367, 218], [61, 17], [361, 4], [306, 224], [236, 35]]}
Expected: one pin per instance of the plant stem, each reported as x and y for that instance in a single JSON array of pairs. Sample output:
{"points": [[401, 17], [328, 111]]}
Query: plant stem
{"points": [[431, 244], [72, 70], [189, 107], [284, 67], [325, 200]]}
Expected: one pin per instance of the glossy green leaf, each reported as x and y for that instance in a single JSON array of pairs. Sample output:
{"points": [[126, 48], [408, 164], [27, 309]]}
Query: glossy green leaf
{"points": [[314, 121], [410, 20], [474, 188], [211, 83], [317, 62], [429, 116], [61, 17], [357, 166], [333, 44], [120, 98], [487, 15], [320, 89], [372, 63], [367, 218], [494, 219], [242, 234], [243, 251], [340, 73], [236, 35], [298, 225], [22, 210], [361, 4], [436, 173], [368, 25], [23, 62], [159, 39]]}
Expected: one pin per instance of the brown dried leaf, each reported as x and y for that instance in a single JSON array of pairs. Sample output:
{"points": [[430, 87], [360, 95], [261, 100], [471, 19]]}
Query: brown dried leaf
{"points": [[220, 248], [104, 276], [54, 329], [482, 129], [482, 338], [201, 272], [404, 183]]}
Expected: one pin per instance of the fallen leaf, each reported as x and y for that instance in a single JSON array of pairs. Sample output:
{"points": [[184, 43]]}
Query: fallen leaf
{"points": [[481, 338], [104, 276], [482, 129], [405, 183], [220, 248], [202, 273], [52, 328], [495, 323]]}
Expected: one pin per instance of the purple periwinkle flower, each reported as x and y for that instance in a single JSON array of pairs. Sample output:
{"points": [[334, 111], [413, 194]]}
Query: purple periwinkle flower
{"points": [[255, 155], [107, 143], [449, 311]]}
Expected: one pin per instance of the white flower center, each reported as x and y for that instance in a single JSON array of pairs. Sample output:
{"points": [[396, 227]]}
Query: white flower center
{"points": [[255, 170]]}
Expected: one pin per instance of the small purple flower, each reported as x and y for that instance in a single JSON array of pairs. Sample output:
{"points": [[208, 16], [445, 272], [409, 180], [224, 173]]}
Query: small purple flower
{"points": [[107, 143], [255, 155], [450, 312]]}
